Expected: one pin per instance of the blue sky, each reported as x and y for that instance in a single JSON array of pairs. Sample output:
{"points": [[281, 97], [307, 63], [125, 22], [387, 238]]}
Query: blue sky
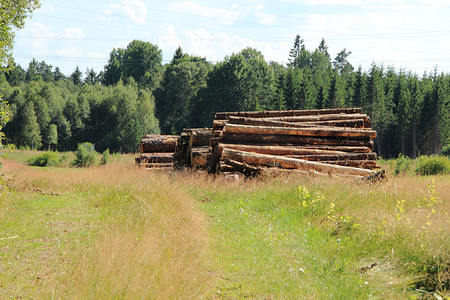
{"points": [[413, 35]]}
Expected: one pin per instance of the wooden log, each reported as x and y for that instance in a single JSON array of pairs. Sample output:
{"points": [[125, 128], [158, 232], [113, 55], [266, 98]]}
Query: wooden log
{"points": [[199, 157], [351, 149], [159, 144], [279, 150], [244, 168], [157, 165], [157, 158], [314, 132], [331, 117], [226, 168], [291, 139], [268, 114], [137, 161], [316, 125], [346, 156], [200, 137], [365, 164], [290, 163], [355, 123]]}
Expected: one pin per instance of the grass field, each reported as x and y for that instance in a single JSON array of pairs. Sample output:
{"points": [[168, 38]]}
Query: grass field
{"points": [[116, 231]]}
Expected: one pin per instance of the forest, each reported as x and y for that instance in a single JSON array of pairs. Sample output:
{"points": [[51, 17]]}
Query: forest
{"points": [[136, 94]]}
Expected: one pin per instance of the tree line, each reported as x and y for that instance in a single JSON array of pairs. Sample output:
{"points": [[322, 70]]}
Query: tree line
{"points": [[136, 94]]}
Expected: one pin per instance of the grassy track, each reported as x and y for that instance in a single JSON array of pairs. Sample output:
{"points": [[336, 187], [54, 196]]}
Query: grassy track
{"points": [[101, 233], [120, 232]]}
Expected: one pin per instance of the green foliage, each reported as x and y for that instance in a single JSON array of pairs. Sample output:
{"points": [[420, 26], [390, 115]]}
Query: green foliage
{"points": [[106, 157], [85, 156], [139, 96], [433, 165], [46, 159], [446, 150], [403, 165]]}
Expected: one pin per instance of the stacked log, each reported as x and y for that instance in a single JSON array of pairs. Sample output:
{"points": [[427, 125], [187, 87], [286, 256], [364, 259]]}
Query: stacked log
{"points": [[326, 141], [157, 151], [192, 148]]}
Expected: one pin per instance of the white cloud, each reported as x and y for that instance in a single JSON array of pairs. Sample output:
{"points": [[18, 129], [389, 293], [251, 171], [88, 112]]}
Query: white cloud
{"points": [[326, 2], [70, 52], [226, 16], [73, 33], [37, 37], [265, 19], [134, 9]]}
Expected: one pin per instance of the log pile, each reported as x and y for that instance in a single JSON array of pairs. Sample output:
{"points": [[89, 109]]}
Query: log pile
{"points": [[157, 152], [326, 141], [192, 148]]}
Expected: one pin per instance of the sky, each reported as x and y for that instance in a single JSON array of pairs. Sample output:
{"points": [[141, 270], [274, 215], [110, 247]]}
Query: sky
{"points": [[407, 35]]}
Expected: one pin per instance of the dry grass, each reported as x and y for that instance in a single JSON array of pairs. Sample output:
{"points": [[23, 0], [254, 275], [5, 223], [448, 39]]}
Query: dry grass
{"points": [[150, 241], [133, 233]]}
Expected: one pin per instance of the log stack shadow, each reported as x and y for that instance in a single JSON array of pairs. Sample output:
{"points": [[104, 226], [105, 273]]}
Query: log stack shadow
{"points": [[192, 148], [157, 152], [325, 142]]}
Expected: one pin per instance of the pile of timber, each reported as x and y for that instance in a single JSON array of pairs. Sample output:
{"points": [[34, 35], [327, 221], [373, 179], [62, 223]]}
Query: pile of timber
{"points": [[157, 151], [192, 148], [325, 141]]}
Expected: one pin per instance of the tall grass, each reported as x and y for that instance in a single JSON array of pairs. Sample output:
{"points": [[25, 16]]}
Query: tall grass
{"points": [[312, 238], [129, 233], [149, 240]]}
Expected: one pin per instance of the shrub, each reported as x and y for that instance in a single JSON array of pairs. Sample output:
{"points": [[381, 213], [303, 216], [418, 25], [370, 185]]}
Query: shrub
{"points": [[402, 164], [85, 156], [446, 151], [433, 165], [45, 159], [105, 157]]}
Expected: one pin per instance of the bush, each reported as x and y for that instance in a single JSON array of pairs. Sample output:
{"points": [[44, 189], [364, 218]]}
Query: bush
{"points": [[105, 157], [402, 164], [85, 156], [446, 151], [45, 159], [433, 165]]}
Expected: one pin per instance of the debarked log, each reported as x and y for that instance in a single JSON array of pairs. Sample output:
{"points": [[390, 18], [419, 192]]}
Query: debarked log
{"points": [[158, 143], [313, 132], [352, 123], [157, 158], [268, 114], [346, 156], [278, 150], [290, 163], [321, 118], [292, 139]]}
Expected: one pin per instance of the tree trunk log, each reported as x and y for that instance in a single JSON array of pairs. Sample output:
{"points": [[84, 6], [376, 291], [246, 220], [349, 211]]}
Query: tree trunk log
{"points": [[157, 158], [332, 117], [279, 150], [318, 131], [355, 123], [293, 140], [157, 165], [290, 163], [244, 168], [347, 156], [200, 137], [159, 143], [285, 113], [198, 157], [365, 164]]}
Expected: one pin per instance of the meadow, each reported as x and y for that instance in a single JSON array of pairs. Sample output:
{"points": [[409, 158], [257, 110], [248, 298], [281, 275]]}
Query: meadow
{"points": [[116, 231]]}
